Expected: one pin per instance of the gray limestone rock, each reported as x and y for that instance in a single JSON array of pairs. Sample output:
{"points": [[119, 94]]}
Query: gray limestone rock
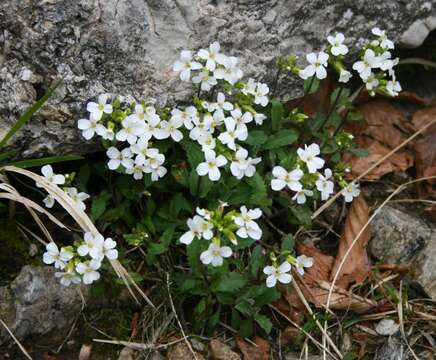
{"points": [[128, 46], [36, 305]]}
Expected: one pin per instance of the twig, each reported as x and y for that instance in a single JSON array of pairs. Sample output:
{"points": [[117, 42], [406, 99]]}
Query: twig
{"points": [[23, 350], [401, 320], [177, 319], [418, 61]]}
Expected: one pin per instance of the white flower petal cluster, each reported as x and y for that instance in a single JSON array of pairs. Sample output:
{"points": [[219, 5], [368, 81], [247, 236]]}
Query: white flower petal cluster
{"points": [[59, 179], [282, 274], [93, 125], [204, 226], [81, 264], [313, 164], [318, 63]]}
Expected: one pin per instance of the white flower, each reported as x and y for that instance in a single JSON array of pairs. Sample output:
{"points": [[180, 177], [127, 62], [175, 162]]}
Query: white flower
{"points": [[78, 197], [185, 64], [53, 255], [67, 278], [243, 165], [241, 119], [108, 250], [215, 254], [247, 226], [300, 196], [283, 178], [338, 48], [309, 156], [50, 176], [137, 171], [229, 71], [118, 158], [232, 134], [90, 127], [324, 185], [221, 103], [212, 56], [172, 127], [187, 116], [205, 80], [201, 127], [49, 201], [207, 141], [153, 164], [351, 191], [386, 62], [198, 228], [250, 87], [132, 128], [384, 42], [259, 118], [369, 62], [211, 165], [278, 274], [104, 132], [97, 109], [203, 213], [89, 271], [260, 97], [371, 82], [318, 64], [344, 76], [93, 245], [302, 262], [393, 87]]}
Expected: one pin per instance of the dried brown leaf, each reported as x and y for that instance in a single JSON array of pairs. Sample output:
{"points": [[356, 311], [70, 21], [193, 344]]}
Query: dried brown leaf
{"points": [[385, 127], [251, 352], [356, 266]]}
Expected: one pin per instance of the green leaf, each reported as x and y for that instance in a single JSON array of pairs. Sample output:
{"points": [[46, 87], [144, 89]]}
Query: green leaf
{"points": [[245, 308], [193, 182], [28, 114], [311, 85], [264, 322], [177, 204], [256, 261], [246, 328], [205, 186], [277, 111], [256, 137], [7, 154], [229, 282], [99, 204], [302, 214], [161, 247], [281, 138], [44, 161], [268, 296], [287, 243], [359, 152], [193, 152]]}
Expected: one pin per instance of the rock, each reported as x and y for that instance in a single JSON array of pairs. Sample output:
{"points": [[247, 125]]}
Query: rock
{"points": [[221, 351], [387, 327], [402, 238], [127, 354], [182, 352], [392, 349], [36, 305], [127, 47], [415, 35]]}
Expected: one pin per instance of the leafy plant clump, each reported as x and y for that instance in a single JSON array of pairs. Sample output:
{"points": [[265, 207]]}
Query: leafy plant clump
{"points": [[213, 191]]}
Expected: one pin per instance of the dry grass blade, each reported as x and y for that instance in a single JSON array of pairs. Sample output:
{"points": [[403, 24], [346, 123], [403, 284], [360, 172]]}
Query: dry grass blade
{"points": [[81, 218], [23, 350]]}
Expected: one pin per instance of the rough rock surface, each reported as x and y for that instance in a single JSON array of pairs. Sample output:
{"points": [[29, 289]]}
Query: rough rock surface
{"points": [[37, 305], [128, 46], [402, 238]]}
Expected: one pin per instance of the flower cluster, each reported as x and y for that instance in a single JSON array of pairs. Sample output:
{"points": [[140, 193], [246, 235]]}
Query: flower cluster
{"points": [[216, 126], [281, 273], [80, 263], [375, 67], [305, 179], [59, 179], [218, 228]]}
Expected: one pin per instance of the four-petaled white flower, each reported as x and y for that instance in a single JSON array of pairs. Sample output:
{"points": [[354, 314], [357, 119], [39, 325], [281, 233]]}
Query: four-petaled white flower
{"points": [[384, 42], [260, 95], [393, 87], [132, 128], [241, 119], [302, 262], [300, 196], [205, 80], [280, 274], [56, 257], [90, 126], [351, 191], [89, 271], [371, 83], [185, 64], [344, 76], [212, 56], [211, 165], [309, 156], [247, 226], [243, 165], [50, 176], [233, 133], [337, 45], [97, 109], [187, 116], [364, 67], [229, 71], [78, 197], [221, 103], [324, 185], [49, 201], [93, 244], [284, 178], [215, 254], [198, 228], [118, 158], [318, 64]]}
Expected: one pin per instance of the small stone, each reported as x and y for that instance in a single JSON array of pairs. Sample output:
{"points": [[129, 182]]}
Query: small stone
{"points": [[182, 352], [221, 351], [127, 354], [269, 17], [26, 74], [387, 327], [198, 345]]}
